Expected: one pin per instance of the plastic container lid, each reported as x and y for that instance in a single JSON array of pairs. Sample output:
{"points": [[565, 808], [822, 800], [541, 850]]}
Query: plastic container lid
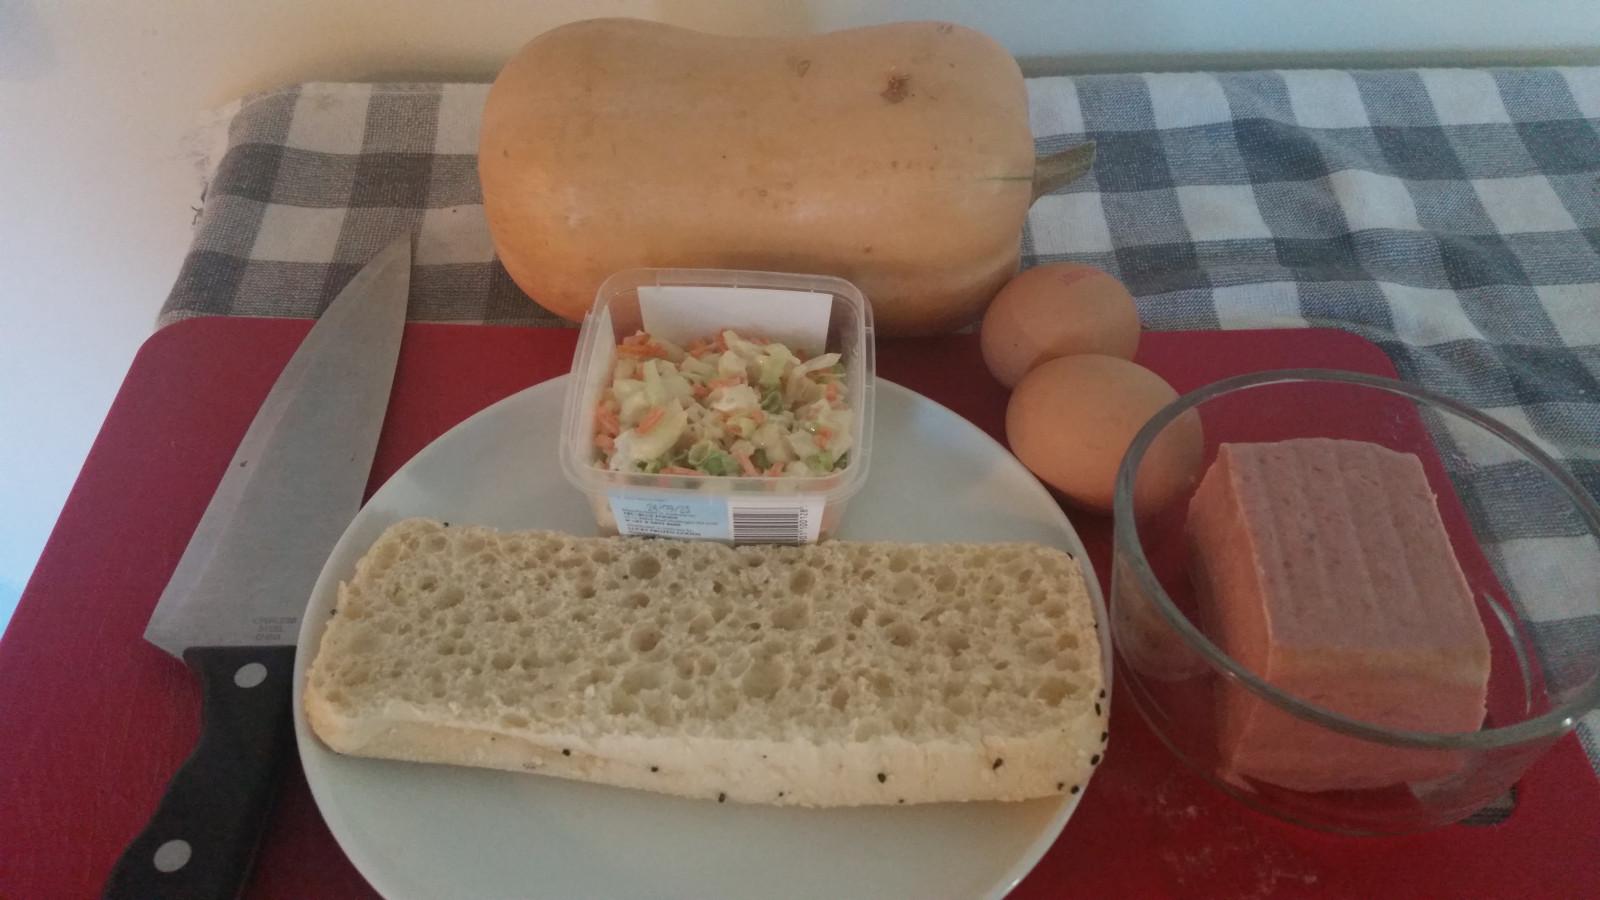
{"points": [[810, 313]]}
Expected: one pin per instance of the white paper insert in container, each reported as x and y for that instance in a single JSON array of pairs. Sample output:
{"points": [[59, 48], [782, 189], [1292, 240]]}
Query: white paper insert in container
{"points": [[682, 313], [810, 313]]}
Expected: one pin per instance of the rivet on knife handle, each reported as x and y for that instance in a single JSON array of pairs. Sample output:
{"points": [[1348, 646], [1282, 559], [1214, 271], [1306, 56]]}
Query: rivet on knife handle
{"points": [[201, 840]]}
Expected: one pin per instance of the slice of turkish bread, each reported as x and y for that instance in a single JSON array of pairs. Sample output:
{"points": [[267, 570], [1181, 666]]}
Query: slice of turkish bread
{"points": [[835, 674]]}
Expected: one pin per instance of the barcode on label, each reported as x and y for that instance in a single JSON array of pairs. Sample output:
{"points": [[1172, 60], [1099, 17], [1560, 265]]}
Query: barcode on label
{"points": [[770, 524]]}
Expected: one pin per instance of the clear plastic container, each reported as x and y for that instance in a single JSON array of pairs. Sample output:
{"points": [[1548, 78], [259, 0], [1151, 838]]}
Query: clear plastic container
{"points": [[727, 508]]}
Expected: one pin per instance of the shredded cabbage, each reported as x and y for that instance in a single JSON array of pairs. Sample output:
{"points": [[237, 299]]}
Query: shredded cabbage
{"points": [[725, 405]]}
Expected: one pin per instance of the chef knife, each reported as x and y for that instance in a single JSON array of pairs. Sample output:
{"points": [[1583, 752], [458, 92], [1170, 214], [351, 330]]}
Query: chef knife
{"points": [[232, 608]]}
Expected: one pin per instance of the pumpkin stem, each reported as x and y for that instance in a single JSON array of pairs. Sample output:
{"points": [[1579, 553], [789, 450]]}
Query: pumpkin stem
{"points": [[1056, 171]]}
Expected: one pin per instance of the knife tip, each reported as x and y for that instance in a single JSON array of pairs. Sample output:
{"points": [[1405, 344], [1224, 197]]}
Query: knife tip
{"points": [[400, 246]]}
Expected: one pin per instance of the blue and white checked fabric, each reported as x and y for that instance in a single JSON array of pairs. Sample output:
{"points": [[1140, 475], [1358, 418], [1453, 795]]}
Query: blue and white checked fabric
{"points": [[1451, 216]]}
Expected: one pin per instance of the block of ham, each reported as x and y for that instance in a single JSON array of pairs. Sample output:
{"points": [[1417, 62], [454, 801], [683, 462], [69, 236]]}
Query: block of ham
{"points": [[1323, 566]]}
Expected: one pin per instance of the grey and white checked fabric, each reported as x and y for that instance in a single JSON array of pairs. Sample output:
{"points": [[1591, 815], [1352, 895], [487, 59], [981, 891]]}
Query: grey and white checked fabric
{"points": [[1451, 216], [317, 178]]}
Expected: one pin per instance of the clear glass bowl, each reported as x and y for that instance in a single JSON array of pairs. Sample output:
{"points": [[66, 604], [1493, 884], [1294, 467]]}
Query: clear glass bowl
{"points": [[1523, 531]]}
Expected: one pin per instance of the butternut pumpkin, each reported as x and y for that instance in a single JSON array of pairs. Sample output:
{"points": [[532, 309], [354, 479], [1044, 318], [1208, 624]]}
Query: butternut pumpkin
{"points": [[896, 156]]}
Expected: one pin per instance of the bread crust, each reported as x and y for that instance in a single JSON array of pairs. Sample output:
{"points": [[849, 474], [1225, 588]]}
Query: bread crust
{"points": [[910, 699]]}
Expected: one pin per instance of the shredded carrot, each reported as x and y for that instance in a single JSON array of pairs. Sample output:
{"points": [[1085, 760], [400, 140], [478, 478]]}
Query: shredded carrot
{"points": [[641, 345], [642, 351], [677, 470], [832, 392], [758, 416], [822, 437], [775, 469], [606, 442], [650, 421], [729, 381], [606, 418], [701, 391], [749, 468]]}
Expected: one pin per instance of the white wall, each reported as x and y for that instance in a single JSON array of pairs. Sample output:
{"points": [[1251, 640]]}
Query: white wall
{"points": [[96, 185]]}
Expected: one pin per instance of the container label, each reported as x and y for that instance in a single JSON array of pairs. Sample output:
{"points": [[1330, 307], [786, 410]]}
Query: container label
{"points": [[687, 518], [743, 520], [775, 520]]}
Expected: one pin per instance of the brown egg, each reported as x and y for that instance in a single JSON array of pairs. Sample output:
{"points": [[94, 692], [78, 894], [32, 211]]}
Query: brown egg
{"points": [[1060, 309], [1071, 420]]}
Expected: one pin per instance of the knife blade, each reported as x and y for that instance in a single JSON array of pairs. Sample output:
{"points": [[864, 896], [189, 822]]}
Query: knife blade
{"points": [[232, 608]]}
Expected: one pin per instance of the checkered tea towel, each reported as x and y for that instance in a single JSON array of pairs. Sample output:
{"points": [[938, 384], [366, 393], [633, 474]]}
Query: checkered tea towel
{"points": [[1452, 216]]}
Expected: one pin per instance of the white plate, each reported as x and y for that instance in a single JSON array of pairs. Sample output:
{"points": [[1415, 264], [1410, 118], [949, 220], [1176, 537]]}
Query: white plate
{"points": [[427, 831]]}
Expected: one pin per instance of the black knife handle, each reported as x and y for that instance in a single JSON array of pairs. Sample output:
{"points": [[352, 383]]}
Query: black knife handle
{"points": [[201, 840]]}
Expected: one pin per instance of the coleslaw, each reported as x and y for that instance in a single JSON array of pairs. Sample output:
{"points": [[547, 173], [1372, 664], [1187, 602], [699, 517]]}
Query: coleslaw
{"points": [[726, 405]]}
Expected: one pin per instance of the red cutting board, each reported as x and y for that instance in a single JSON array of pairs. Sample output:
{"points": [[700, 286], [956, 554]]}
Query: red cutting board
{"points": [[94, 720]]}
